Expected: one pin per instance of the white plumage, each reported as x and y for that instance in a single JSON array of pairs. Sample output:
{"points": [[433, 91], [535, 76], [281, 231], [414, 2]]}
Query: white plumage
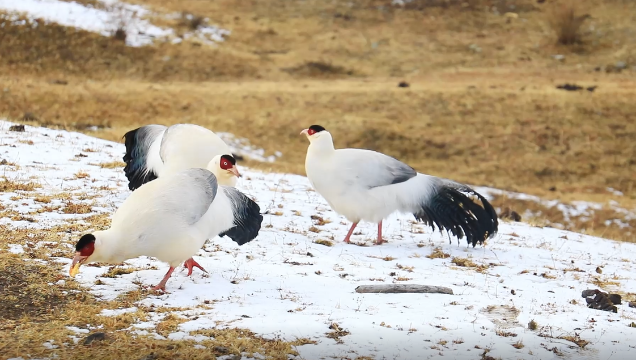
{"points": [[364, 185], [153, 151], [170, 219]]}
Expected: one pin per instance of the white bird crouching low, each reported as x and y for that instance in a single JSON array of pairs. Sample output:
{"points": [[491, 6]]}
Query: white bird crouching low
{"points": [[364, 185], [170, 219], [154, 151]]}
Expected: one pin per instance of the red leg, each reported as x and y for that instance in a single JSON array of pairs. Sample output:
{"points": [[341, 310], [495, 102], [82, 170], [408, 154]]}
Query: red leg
{"points": [[162, 284], [190, 264], [379, 241], [347, 238]]}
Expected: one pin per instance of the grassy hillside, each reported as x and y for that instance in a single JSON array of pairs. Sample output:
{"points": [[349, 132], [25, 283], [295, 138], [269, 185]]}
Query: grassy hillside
{"points": [[482, 106]]}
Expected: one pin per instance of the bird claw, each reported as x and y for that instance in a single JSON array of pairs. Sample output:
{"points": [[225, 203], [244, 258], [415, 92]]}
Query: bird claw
{"points": [[190, 264]]}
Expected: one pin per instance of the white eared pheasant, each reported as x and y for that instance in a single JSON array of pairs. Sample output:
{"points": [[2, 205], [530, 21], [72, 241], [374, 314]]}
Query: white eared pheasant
{"points": [[170, 219], [153, 151], [364, 185]]}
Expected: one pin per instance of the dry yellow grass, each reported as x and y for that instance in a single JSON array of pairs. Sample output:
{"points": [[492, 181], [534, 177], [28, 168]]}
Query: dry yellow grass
{"points": [[481, 108], [34, 312]]}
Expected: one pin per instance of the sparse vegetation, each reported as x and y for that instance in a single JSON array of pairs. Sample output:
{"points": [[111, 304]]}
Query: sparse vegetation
{"points": [[324, 242], [480, 95], [7, 185], [438, 253], [566, 20]]}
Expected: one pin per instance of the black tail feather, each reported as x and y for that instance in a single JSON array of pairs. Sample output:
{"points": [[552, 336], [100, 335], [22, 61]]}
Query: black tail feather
{"points": [[451, 210], [137, 145], [247, 217]]}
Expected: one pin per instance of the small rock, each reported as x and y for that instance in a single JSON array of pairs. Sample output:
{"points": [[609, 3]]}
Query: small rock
{"points": [[100, 336], [18, 128], [591, 88], [621, 65], [569, 87], [513, 292], [4, 162], [403, 84], [221, 349], [632, 304], [558, 57], [599, 270], [510, 214], [150, 356], [474, 48], [601, 300], [59, 82]]}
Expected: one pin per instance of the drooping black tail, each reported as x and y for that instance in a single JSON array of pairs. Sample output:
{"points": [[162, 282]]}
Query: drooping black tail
{"points": [[247, 217], [138, 144], [451, 209]]}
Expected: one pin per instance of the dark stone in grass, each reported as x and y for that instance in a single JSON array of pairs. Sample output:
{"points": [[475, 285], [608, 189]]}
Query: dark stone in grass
{"points": [[100, 336], [570, 87], [601, 300], [18, 128], [221, 349], [403, 84]]}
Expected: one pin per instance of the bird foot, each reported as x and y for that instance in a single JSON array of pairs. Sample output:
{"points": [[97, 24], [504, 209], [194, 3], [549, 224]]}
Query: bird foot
{"points": [[191, 264], [379, 241]]}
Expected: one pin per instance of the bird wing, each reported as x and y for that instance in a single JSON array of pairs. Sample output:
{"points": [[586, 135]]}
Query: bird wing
{"points": [[183, 198], [370, 169], [187, 146], [247, 217], [138, 144]]}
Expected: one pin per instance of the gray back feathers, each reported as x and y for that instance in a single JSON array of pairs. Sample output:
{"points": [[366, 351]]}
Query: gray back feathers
{"points": [[198, 188]]}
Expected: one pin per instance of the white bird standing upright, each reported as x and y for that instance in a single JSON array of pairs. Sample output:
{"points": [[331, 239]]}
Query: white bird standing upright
{"points": [[153, 151], [170, 219], [367, 185]]}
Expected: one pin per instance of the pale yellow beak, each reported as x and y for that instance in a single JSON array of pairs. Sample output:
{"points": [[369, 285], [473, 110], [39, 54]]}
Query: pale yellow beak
{"points": [[305, 131], [235, 171], [78, 259]]}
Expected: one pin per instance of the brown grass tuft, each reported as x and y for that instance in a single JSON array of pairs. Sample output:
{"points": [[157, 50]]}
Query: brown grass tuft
{"points": [[76, 208], [566, 21], [438, 253], [112, 165], [324, 242], [115, 271], [82, 175], [463, 262], [7, 185]]}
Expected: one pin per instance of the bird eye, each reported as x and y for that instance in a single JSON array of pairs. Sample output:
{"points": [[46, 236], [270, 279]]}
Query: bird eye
{"points": [[311, 131]]}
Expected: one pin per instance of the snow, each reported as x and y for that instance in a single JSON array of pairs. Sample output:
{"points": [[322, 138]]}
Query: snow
{"points": [[284, 285], [105, 21]]}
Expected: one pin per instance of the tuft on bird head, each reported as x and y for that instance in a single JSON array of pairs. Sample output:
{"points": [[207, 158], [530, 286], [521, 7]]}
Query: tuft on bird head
{"points": [[84, 248]]}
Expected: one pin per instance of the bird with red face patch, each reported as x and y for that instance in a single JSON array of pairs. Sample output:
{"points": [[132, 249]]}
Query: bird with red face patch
{"points": [[170, 219], [153, 151], [365, 185]]}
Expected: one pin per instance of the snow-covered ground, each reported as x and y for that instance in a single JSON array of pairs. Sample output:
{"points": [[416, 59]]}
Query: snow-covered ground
{"points": [[105, 20], [286, 285]]}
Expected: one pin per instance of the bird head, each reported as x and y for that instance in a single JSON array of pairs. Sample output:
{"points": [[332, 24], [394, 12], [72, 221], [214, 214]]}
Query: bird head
{"points": [[314, 132], [84, 250], [224, 168]]}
